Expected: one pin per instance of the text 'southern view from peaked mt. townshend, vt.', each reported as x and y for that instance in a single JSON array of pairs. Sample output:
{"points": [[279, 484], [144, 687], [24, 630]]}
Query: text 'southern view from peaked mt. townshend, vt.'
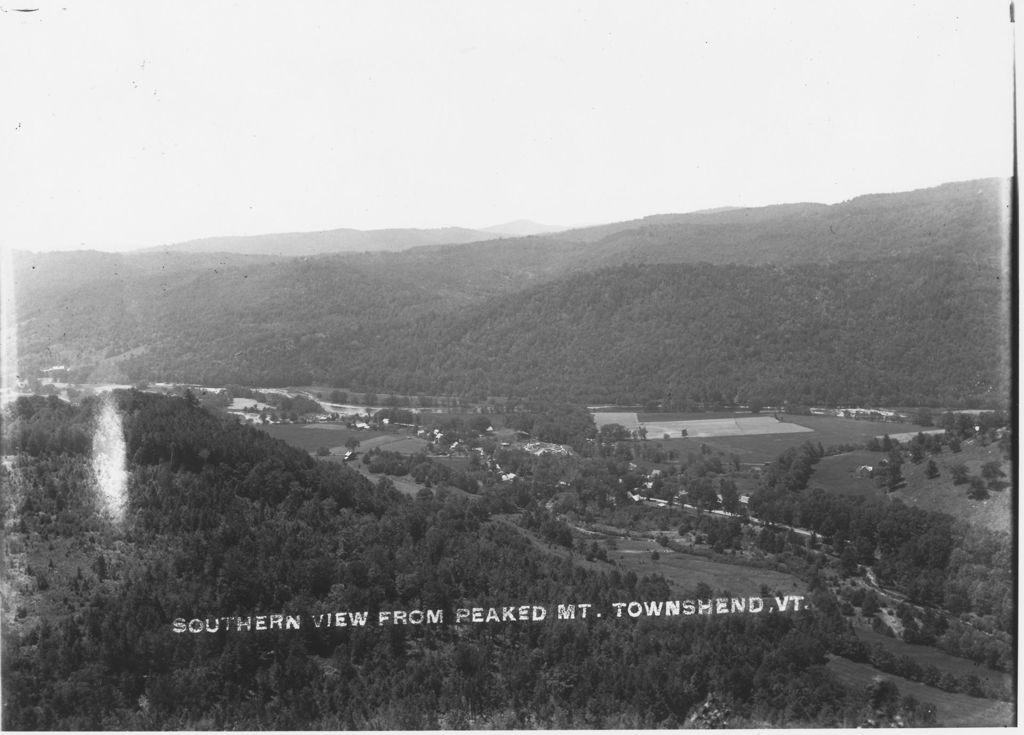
{"points": [[559, 365]]}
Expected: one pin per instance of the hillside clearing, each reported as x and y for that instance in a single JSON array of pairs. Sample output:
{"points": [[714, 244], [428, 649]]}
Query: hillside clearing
{"points": [[951, 709]]}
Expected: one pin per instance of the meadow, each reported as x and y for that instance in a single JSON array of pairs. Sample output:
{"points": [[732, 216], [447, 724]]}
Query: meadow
{"points": [[951, 709], [761, 448], [940, 494], [838, 473], [928, 656], [686, 571], [310, 437]]}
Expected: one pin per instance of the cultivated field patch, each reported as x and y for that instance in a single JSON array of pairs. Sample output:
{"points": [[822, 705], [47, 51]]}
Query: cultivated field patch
{"points": [[740, 426], [759, 448]]}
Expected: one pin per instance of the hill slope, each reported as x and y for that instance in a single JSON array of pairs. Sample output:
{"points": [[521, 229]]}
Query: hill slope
{"points": [[887, 298]]}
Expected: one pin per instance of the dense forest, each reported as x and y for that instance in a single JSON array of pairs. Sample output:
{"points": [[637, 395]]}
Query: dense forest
{"points": [[893, 331], [896, 298], [221, 520]]}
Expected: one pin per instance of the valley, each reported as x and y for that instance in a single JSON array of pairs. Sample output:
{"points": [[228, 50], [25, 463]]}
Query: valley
{"points": [[799, 400]]}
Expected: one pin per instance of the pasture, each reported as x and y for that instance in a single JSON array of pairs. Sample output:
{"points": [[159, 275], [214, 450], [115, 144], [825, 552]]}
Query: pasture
{"points": [[310, 437], [400, 443], [759, 448], [951, 709], [838, 473], [928, 656], [686, 571], [939, 494], [739, 426]]}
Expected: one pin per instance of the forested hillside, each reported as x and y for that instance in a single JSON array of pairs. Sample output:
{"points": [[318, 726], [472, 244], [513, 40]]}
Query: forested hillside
{"points": [[887, 298], [223, 521]]}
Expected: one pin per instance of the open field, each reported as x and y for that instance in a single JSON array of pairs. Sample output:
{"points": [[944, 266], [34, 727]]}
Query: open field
{"points": [[838, 473], [311, 437], [405, 485], [906, 436], [659, 416], [941, 495], [400, 443], [760, 448], [928, 656], [742, 426], [686, 571], [951, 709], [705, 426]]}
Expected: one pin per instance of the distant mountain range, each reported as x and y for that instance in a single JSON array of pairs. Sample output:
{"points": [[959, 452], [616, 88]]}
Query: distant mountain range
{"points": [[895, 297], [330, 241], [345, 240], [524, 228]]}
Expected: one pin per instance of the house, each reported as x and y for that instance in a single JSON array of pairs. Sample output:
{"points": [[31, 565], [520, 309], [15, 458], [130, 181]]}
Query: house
{"points": [[864, 471]]}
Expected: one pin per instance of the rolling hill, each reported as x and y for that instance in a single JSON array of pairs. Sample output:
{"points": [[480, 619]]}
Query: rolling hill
{"points": [[890, 298]]}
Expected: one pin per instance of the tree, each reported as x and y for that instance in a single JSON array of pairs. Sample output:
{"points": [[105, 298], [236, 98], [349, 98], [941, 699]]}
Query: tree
{"points": [[977, 490], [893, 471], [992, 472], [931, 470], [730, 495], [351, 443], [959, 473], [870, 604]]}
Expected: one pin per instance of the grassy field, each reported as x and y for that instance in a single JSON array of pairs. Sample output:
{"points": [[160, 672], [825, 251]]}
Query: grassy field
{"points": [[952, 710], [311, 437], [828, 430], [928, 656], [400, 443], [837, 474], [658, 417], [685, 571], [710, 428], [941, 495]]}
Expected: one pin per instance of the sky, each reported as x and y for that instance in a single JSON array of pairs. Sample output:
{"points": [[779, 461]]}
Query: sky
{"points": [[129, 124]]}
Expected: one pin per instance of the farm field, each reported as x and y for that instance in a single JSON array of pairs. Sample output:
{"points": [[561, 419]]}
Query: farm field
{"points": [[906, 436], [928, 656], [951, 709], [742, 426], [838, 473], [394, 443], [757, 449], [941, 495], [686, 571], [694, 415], [310, 437]]}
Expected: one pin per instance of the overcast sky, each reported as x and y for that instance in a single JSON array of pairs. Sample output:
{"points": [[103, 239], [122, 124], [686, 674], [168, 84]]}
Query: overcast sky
{"points": [[130, 124]]}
